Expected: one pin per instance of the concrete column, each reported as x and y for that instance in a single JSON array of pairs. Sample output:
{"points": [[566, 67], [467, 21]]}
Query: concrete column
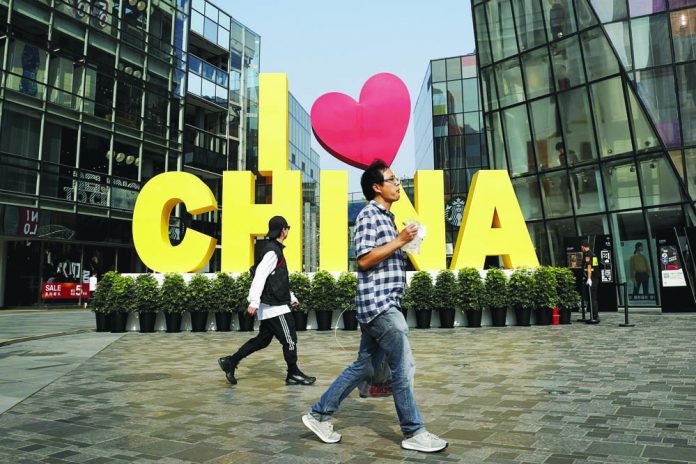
{"points": [[3, 269]]}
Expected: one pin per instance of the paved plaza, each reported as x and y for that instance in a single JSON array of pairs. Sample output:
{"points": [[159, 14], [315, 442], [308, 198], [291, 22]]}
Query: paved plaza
{"points": [[558, 395]]}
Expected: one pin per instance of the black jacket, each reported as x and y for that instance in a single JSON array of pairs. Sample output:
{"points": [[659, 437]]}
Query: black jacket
{"points": [[276, 292]]}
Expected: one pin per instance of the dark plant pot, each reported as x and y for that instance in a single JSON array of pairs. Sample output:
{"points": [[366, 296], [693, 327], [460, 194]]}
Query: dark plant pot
{"points": [[173, 321], [564, 315], [523, 316], [498, 316], [102, 322], [198, 321], [473, 318], [423, 318], [147, 321], [118, 322], [543, 316], [246, 321], [324, 320], [447, 318], [350, 322], [300, 320], [223, 321]]}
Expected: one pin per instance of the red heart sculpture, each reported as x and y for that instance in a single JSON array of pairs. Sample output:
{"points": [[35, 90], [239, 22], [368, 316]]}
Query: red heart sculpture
{"points": [[357, 133]]}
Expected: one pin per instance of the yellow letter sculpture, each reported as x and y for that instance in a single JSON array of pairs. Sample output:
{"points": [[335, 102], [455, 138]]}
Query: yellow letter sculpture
{"points": [[242, 219], [151, 223], [493, 225], [429, 211], [333, 217]]}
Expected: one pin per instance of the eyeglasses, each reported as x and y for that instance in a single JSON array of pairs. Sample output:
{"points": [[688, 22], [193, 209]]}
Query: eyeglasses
{"points": [[393, 180]]}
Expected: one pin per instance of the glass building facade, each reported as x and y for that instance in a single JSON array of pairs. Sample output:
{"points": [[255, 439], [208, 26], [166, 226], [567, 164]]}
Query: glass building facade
{"points": [[448, 126], [589, 106], [96, 98]]}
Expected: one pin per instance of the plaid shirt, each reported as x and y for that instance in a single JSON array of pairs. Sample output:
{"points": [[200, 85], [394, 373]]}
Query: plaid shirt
{"points": [[380, 287]]}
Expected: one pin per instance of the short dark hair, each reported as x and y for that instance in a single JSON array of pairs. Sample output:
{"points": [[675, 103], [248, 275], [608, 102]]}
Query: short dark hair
{"points": [[372, 175], [585, 243], [559, 146]]}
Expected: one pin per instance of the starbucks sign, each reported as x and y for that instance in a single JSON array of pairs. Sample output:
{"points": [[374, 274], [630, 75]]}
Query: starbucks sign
{"points": [[454, 211]]}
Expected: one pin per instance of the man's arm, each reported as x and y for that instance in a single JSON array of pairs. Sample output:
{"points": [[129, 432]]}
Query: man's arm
{"points": [[263, 270], [382, 252]]}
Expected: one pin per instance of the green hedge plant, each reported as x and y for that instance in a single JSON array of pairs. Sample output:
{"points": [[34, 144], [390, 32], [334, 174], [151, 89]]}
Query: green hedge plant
{"points": [[323, 295], [496, 289], [100, 297], [419, 293], [147, 293], [445, 291], [174, 293], [568, 296], [346, 289], [300, 286], [122, 298], [521, 289], [243, 285], [545, 296], [224, 293], [200, 294], [471, 290]]}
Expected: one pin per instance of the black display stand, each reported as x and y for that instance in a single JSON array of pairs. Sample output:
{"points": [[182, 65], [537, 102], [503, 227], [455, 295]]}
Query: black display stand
{"points": [[606, 292], [676, 293]]}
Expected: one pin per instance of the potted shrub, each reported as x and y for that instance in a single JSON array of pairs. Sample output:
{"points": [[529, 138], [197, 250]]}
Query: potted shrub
{"points": [[224, 300], [173, 298], [568, 297], [471, 295], [122, 302], [246, 321], [147, 301], [346, 288], [200, 301], [521, 294], [497, 296], [300, 286], [545, 296], [323, 298], [445, 297], [419, 295], [100, 301]]}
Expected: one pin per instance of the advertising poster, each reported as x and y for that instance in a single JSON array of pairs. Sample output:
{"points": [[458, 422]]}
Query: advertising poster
{"points": [[637, 266], [671, 267]]}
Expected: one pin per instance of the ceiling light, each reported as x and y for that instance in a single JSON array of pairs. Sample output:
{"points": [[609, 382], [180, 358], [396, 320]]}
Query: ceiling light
{"points": [[137, 161], [132, 2], [137, 73], [108, 154], [130, 159], [141, 5], [128, 70], [683, 21], [120, 157]]}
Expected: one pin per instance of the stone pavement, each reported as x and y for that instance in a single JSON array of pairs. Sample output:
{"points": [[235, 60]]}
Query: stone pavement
{"points": [[28, 324], [557, 395]]}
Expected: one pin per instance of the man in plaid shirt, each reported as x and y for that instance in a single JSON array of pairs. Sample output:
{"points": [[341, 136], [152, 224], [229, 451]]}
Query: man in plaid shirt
{"points": [[381, 282]]}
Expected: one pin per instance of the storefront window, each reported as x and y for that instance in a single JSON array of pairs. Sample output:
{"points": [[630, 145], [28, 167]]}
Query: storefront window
{"points": [[555, 190], [635, 257], [537, 232], [559, 230]]}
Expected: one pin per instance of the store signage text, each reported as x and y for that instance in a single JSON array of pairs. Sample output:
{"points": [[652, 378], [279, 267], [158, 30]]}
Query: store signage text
{"points": [[492, 221]]}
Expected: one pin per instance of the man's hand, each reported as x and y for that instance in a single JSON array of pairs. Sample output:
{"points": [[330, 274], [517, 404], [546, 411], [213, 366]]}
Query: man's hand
{"points": [[589, 282], [295, 304], [251, 310], [407, 234]]}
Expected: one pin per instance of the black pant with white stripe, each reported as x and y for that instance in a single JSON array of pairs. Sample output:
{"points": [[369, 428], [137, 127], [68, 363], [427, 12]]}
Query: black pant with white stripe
{"points": [[281, 327]]}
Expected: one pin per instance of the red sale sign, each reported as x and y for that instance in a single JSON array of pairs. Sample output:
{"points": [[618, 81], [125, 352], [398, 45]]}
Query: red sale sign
{"points": [[64, 290]]}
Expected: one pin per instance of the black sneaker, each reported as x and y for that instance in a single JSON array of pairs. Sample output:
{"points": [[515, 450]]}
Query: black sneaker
{"points": [[298, 378], [228, 367]]}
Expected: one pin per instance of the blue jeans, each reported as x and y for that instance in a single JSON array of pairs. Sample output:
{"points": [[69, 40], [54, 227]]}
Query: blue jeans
{"points": [[388, 334]]}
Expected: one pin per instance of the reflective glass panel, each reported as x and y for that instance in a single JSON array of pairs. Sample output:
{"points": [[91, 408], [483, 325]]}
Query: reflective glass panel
{"points": [[454, 69], [541, 245], [656, 88], [611, 118], [555, 190], [577, 125], [518, 140], [684, 34], [621, 185], [690, 161], [501, 29], [660, 184], [490, 94], [686, 81], [643, 136], [440, 98], [547, 133], [454, 97], [567, 63], [651, 41], [509, 79], [560, 18], [643, 7], [527, 192], [439, 73], [482, 42], [495, 141], [530, 23], [470, 93], [537, 73], [558, 231], [600, 60], [586, 191], [620, 36], [610, 10]]}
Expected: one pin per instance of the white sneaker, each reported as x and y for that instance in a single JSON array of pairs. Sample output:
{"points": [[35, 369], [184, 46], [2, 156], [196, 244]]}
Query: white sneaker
{"points": [[323, 430], [425, 442]]}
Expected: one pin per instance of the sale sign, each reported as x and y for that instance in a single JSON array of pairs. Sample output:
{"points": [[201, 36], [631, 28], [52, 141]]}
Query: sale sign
{"points": [[64, 291]]}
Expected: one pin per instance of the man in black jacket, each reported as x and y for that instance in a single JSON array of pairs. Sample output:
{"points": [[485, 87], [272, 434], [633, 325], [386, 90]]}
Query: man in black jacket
{"points": [[269, 297]]}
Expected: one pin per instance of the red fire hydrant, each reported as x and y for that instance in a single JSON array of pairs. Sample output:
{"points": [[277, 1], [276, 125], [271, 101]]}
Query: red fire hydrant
{"points": [[556, 316]]}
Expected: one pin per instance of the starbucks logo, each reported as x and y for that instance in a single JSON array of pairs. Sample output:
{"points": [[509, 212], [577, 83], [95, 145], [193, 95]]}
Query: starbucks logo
{"points": [[454, 211]]}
